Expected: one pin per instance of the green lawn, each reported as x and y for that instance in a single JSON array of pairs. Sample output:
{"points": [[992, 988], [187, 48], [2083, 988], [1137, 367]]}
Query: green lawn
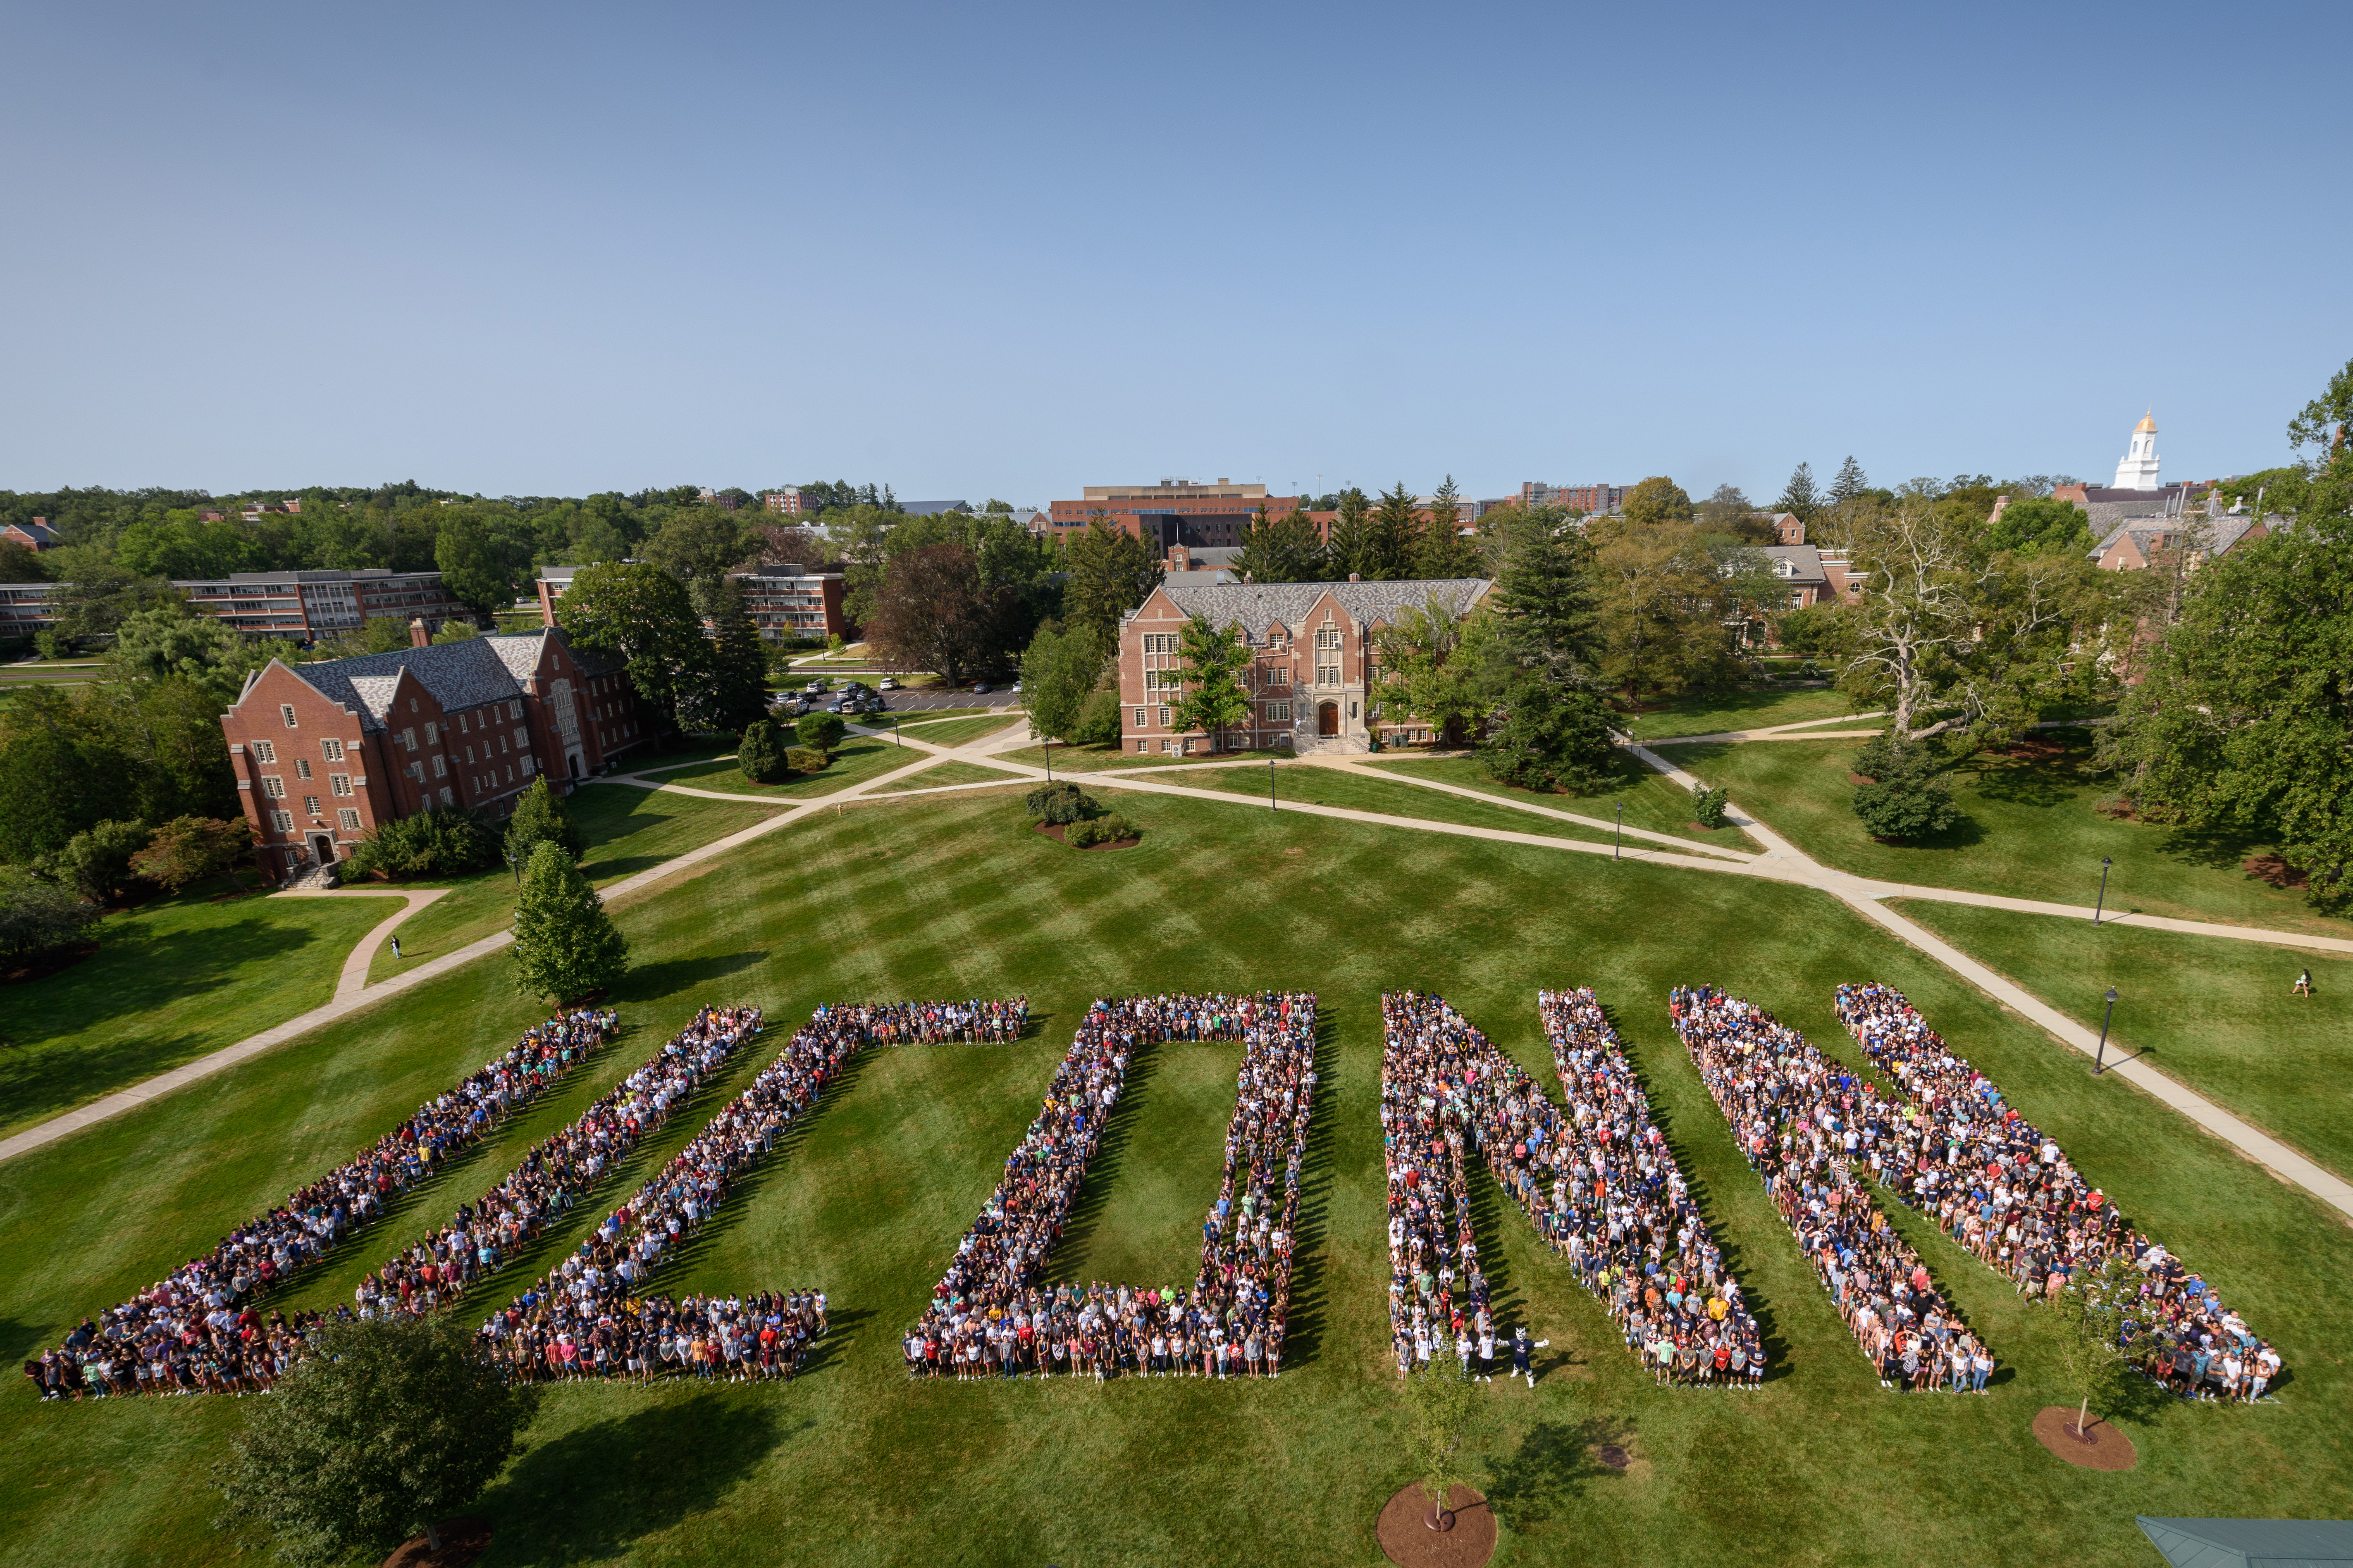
{"points": [[171, 981], [914, 716], [957, 732], [1652, 799], [1101, 759], [1748, 708], [628, 830], [1311, 783], [944, 773], [858, 758], [2030, 833], [851, 1465], [2219, 1014]]}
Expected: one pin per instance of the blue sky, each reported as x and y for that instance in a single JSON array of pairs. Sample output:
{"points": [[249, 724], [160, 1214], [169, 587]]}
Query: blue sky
{"points": [[1010, 250]]}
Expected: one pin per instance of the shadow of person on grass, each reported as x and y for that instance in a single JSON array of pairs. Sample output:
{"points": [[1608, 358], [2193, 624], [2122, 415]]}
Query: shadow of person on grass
{"points": [[1550, 1472], [586, 1496]]}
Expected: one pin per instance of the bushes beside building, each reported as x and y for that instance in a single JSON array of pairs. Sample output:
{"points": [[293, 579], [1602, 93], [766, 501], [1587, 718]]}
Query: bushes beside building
{"points": [[448, 841]]}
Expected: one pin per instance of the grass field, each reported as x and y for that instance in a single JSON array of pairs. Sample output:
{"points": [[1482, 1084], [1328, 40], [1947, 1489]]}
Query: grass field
{"points": [[1312, 785], [628, 830], [856, 760], [171, 981], [1756, 709], [2030, 833], [943, 773], [852, 1465], [2219, 1014], [957, 732], [1101, 759], [1652, 799]]}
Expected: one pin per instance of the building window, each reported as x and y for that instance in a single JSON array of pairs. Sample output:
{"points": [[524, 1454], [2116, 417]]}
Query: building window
{"points": [[348, 819], [514, 709], [1142, 746], [332, 749], [523, 738], [432, 735], [265, 751], [286, 711], [1140, 718], [273, 786], [283, 820], [1278, 713], [340, 784], [1327, 675], [310, 805], [409, 739], [440, 768], [445, 794], [416, 772], [1164, 718], [302, 767], [1163, 679], [1327, 637]]}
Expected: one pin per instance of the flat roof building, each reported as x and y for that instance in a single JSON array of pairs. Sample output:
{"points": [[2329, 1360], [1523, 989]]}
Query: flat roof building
{"points": [[1171, 512]]}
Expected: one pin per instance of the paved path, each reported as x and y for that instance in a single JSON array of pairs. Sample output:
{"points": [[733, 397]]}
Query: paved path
{"points": [[352, 980]]}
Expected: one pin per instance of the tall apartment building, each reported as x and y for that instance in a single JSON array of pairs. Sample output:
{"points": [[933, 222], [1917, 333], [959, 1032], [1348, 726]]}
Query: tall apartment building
{"points": [[1313, 661], [306, 605], [1174, 512], [788, 502], [1591, 499], [784, 601], [325, 753]]}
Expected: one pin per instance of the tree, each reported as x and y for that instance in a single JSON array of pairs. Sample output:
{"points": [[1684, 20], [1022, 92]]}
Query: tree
{"points": [[384, 1428], [187, 849], [96, 862], [1798, 497], [821, 731], [760, 755], [699, 543], [1446, 551], [2330, 491], [2243, 719], [1545, 589], [1907, 806], [44, 794], [95, 596], [1848, 485], [2099, 1342], [1728, 512], [934, 613], [734, 691], [1393, 536], [455, 630], [2038, 526], [448, 841], [168, 640], [1286, 549], [478, 573], [540, 818], [1658, 499], [638, 613], [1061, 670], [1110, 573], [565, 945], [1433, 666], [1547, 736], [1661, 612], [37, 918], [1350, 545], [1216, 663], [1443, 1410]]}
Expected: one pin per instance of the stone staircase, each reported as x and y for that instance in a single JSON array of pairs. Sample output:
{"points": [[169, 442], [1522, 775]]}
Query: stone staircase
{"points": [[315, 879]]}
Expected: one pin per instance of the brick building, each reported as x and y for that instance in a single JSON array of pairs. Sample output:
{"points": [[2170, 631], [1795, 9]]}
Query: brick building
{"points": [[784, 601], [324, 753], [36, 535], [1312, 654], [306, 606], [1174, 512]]}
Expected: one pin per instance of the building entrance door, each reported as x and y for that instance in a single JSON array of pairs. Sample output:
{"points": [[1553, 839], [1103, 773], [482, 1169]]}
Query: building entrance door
{"points": [[322, 848], [1327, 717]]}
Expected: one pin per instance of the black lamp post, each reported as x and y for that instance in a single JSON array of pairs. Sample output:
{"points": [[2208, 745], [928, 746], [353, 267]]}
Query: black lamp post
{"points": [[1620, 837], [2103, 904], [2100, 1057], [516, 861], [1270, 786], [1049, 759]]}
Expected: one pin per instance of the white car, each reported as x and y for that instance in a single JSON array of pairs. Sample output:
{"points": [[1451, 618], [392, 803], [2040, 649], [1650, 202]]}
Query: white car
{"points": [[886, 684]]}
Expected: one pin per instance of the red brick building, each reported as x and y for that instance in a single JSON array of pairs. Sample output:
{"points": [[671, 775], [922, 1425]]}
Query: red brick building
{"points": [[324, 753], [1312, 660], [784, 601], [1174, 512]]}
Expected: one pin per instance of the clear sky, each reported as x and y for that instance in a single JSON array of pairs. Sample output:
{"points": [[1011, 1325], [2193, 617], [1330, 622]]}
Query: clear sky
{"points": [[1008, 250]]}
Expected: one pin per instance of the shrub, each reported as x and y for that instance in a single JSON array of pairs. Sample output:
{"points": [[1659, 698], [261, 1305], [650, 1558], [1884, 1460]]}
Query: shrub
{"points": [[1084, 835], [1707, 805], [190, 848], [1115, 826], [1061, 804], [1886, 756], [761, 755], [822, 732], [38, 918], [446, 842], [53, 644], [1098, 723], [806, 760], [96, 862], [1908, 805]]}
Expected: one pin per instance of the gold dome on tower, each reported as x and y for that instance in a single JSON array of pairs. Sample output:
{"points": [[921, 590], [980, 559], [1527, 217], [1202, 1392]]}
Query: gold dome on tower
{"points": [[2147, 425]]}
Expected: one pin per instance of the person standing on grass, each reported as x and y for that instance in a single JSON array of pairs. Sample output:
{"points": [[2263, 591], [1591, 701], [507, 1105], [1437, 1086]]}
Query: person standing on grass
{"points": [[2304, 984], [395, 944]]}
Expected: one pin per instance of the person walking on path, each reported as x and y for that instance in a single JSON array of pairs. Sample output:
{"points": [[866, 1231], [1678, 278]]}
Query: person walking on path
{"points": [[395, 945]]}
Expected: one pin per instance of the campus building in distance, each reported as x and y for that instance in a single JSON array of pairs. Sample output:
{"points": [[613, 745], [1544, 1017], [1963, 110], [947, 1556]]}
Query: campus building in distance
{"points": [[1312, 661], [1174, 512], [785, 601]]}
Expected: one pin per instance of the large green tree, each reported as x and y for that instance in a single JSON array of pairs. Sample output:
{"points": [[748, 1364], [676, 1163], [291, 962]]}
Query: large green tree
{"points": [[479, 572], [1285, 549], [1544, 588], [1393, 535], [44, 794], [540, 818], [168, 640], [935, 612], [565, 945], [1110, 573], [734, 691], [383, 1428], [1061, 668], [1351, 546], [1217, 662], [1800, 496], [1657, 500], [639, 613], [1433, 666], [2038, 525]]}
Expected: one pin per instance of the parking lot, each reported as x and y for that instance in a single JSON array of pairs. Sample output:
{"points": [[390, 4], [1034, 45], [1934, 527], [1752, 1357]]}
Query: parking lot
{"points": [[937, 697]]}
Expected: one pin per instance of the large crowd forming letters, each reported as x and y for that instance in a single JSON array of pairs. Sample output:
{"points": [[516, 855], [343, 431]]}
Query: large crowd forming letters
{"points": [[2007, 1192], [1598, 1181], [198, 1328], [988, 1318], [1802, 1120]]}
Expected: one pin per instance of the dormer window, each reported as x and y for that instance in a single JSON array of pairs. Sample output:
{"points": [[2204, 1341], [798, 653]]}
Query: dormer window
{"points": [[1785, 569]]}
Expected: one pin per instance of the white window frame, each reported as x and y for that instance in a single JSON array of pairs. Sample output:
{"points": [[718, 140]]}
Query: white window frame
{"points": [[265, 752], [349, 819], [273, 786], [286, 711], [332, 749]]}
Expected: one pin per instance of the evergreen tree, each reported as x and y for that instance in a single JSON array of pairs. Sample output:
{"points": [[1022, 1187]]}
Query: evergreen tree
{"points": [[1112, 571], [1393, 536], [1544, 586], [734, 692], [1849, 484], [1283, 550], [1444, 550], [1214, 699], [565, 945], [1350, 547], [760, 755], [1798, 497], [540, 818]]}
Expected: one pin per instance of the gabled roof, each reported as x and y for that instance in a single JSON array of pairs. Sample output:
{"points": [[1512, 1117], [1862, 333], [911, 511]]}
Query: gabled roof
{"points": [[460, 675], [1257, 605], [2250, 1542], [1805, 561]]}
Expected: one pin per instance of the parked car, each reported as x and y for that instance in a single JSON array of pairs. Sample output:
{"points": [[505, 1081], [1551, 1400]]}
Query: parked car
{"points": [[887, 684], [979, 687]]}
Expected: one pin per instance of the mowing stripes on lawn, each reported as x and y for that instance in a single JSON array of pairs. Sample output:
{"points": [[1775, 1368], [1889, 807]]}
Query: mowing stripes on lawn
{"points": [[160, 1340], [1616, 1202], [578, 1322], [986, 1316], [2034, 1220], [1770, 1080]]}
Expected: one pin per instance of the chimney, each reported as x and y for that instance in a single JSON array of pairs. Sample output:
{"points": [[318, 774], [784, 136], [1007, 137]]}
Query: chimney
{"points": [[1355, 577], [417, 636]]}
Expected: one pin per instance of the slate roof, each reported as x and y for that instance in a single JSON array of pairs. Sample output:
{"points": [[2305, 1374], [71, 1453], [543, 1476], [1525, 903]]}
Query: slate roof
{"points": [[2221, 532], [1805, 561], [1257, 605], [460, 675], [2245, 1542]]}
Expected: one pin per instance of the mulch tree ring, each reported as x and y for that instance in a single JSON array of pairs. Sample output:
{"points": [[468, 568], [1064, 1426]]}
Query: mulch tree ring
{"points": [[1411, 1544], [2271, 868], [462, 1540], [1054, 831], [1613, 1456], [2101, 1449]]}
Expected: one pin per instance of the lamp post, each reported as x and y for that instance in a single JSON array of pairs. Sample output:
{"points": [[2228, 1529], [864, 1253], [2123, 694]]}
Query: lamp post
{"points": [[1270, 786], [1049, 759], [1620, 837], [516, 862], [2100, 1057], [2103, 904]]}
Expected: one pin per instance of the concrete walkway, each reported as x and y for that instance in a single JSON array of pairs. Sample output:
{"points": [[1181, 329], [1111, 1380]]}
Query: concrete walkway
{"points": [[353, 977]]}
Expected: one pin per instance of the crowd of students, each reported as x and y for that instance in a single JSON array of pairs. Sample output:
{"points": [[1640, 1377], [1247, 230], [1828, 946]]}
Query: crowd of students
{"points": [[1597, 1181], [587, 1316], [198, 1328], [2006, 1191], [1803, 1121], [988, 1316]]}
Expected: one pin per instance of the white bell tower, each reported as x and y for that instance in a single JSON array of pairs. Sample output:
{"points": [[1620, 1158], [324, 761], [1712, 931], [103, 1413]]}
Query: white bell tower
{"points": [[2138, 469]]}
